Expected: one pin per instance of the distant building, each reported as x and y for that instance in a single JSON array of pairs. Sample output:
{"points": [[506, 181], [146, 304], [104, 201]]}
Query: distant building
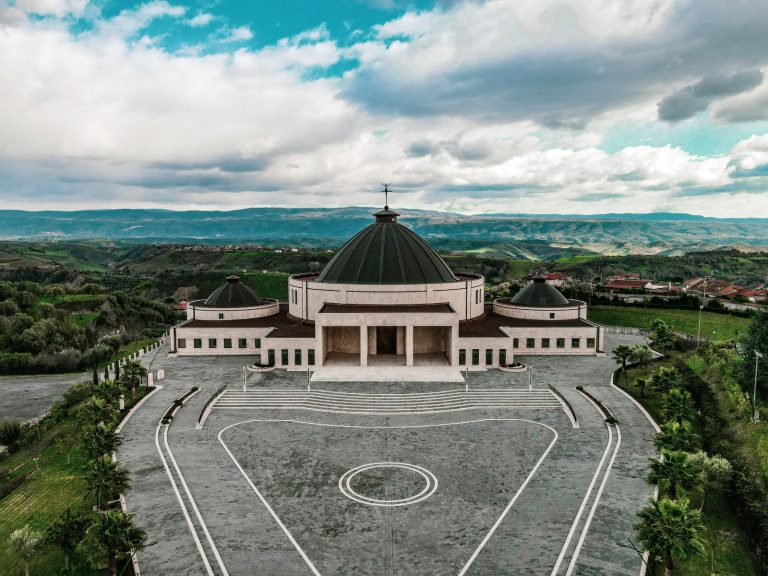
{"points": [[551, 278]]}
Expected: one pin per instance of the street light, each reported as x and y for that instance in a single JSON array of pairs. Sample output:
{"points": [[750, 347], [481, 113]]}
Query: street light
{"points": [[698, 336], [758, 355]]}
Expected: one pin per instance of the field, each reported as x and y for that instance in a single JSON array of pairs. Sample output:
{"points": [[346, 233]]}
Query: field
{"points": [[714, 326]]}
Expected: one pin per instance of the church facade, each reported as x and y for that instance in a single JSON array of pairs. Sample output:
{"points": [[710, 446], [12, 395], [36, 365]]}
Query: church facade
{"points": [[386, 298]]}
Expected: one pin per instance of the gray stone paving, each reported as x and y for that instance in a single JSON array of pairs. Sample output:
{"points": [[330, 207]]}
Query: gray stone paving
{"points": [[297, 467], [28, 397]]}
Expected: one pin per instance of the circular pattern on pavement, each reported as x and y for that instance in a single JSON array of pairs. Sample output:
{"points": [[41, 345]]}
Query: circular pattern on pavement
{"points": [[388, 484]]}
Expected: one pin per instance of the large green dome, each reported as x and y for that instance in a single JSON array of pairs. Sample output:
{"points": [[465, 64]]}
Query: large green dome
{"points": [[386, 252], [540, 294]]}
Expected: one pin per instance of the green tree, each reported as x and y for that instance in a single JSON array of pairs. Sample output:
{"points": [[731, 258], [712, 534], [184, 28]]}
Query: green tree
{"points": [[662, 336], [676, 436], [642, 354], [26, 544], [755, 339], [678, 405], [665, 379], [100, 440], [673, 472], [670, 530], [621, 355], [105, 481], [66, 532], [133, 374], [112, 536], [715, 473]]}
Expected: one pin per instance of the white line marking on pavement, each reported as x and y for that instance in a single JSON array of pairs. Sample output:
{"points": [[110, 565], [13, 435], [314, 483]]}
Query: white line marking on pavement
{"points": [[572, 565], [194, 505], [583, 504], [181, 503]]}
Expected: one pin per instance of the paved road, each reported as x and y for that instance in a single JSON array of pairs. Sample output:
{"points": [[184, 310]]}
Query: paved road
{"points": [[27, 397], [248, 540]]}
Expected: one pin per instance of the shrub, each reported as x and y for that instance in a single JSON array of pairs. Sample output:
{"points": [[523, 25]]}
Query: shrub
{"points": [[10, 433]]}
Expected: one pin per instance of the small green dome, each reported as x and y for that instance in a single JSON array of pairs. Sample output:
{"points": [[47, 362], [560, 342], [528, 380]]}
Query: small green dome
{"points": [[386, 252], [540, 294], [233, 294]]}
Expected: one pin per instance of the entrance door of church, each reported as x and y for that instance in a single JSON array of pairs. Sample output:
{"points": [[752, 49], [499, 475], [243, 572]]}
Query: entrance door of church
{"points": [[386, 340]]}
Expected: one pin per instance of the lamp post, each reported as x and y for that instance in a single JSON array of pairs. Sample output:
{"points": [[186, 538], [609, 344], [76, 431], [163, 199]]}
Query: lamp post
{"points": [[698, 334], [758, 355]]}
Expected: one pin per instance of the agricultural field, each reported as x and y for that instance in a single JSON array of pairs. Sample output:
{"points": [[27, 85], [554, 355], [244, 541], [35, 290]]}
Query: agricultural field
{"points": [[714, 326]]}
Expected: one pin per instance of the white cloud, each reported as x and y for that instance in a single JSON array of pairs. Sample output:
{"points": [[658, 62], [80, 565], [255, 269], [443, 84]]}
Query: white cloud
{"points": [[108, 117], [200, 20], [57, 8]]}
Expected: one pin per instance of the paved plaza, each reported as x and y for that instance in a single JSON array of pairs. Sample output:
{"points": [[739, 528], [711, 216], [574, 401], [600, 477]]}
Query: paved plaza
{"points": [[390, 478], [29, 397]]}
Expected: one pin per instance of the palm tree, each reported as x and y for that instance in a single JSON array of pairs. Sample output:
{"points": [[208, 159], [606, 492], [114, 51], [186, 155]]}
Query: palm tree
{"points": [[623, 354], [97, 410], [676, 470], [66, 532], [25, 543], [641, 383], [670, 529], [110, 391], [676, 436], [100, 440], [113, 535], [105, 481], [134, 372], [678, 405]]}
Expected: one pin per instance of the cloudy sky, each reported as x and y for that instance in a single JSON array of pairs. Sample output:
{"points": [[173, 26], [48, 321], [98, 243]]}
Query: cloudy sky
{"points": [[516, 106]]}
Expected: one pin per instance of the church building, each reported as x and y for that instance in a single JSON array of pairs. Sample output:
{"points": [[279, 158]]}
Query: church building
{"points": [[386, 298]]}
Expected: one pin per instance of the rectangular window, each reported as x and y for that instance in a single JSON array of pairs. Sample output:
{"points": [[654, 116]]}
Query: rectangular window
{"points": [[462, 356], [590, 342], [545, 342], [181, 343], [561, 342], [227, 342], [515, 342], [475, 357], [211, 342], [284, 357], [198, 343], [530, 343], [271, 357], [575, 343], [221, 315], [502, 357], [297, 357], [242, 343], [311, 356], [257, 343], [489, 357], [551, 315]]}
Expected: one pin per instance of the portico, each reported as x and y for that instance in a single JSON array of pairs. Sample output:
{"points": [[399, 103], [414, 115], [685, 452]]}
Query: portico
{"points": [[392, 335]]}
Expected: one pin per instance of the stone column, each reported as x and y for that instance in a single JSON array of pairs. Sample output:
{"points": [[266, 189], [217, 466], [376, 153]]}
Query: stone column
{"points": [[363, 345], [409, 345]]}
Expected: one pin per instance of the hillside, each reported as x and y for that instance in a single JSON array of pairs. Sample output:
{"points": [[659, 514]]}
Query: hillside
{"points": [[520, 236]]}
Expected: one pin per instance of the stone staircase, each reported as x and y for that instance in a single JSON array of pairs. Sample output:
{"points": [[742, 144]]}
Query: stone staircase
{"points": [[387, 404]]}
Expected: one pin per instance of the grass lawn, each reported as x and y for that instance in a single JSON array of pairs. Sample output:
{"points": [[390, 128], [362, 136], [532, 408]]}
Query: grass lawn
{"points": [[726, 542], [130, 348], [82, 318], [716, 327]]}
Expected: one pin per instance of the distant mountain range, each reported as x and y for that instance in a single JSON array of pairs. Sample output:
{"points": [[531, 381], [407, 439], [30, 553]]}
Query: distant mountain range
{"points": [[656, 233]]}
